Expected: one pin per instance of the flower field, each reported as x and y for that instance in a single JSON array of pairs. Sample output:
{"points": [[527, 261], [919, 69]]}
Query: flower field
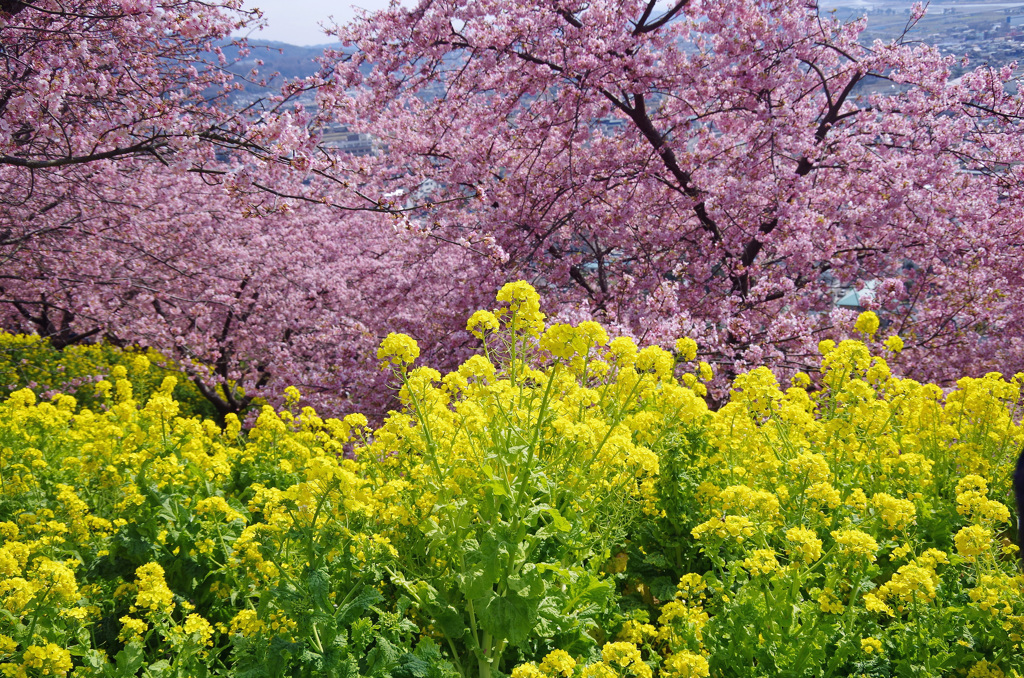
{"points": [[561, 505]]}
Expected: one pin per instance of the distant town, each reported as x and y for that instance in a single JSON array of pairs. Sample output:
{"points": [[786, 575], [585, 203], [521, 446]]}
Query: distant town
{"points": [[985, 32]]}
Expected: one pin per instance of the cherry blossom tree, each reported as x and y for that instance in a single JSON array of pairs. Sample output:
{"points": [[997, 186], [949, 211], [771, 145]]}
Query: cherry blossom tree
{"points": [[714, 170], [86, 84], [140, 204], [248, 291], [720, 170]]}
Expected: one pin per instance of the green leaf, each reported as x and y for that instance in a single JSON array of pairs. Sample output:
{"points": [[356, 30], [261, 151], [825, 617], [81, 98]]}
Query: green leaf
{"points": [[587, 591], [511, 617], [527, 583], [485, 566], [557, 521], [425, 661], [351, 611], [446, 618], [319, 584], [130, 659], [158, 669]]}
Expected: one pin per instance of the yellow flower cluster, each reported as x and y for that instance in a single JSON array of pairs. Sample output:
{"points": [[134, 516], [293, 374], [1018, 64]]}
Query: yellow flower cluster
{"points": [[48, 660], [398, 349], [523, 312], [821, 499], [154, 597]]}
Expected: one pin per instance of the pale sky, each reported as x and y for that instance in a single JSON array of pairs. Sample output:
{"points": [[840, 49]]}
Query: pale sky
{"points": [[297, 21]]}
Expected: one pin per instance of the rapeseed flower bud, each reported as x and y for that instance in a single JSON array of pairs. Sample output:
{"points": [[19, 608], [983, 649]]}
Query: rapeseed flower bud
{"points": [[622, 654], [232, 425], [624, 350], [558, 340], [899, 552], [856, 542], [292, 396], [737, 527], [199, 630], [972, 541], [246, 623], [58, 579], [857, 499], [829, 603], [897, 514], [600, 670], [810, 466], [528, 670], [17, 593], [656, 359], [217, 506], [872, 603], [102, 388], [132, 629], [985, 669], [636, 632], [523, 307], [913, 582], [801, 380], [761, 561], [692, 585], [704, 371], [994, 594], [153, 595], [825, 494], [592, 333]]}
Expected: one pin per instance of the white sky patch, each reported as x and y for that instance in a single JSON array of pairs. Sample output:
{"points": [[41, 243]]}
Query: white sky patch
{"points": [[297, 22]]}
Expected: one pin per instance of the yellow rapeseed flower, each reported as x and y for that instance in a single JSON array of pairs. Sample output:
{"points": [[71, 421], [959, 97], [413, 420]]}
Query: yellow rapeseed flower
{"points": [[805, 545], [894, 344], [871, 645], [482, 322], [867, 323], [686, 348], [398, 350], [686, 664], [153, 595], [49, 660]]}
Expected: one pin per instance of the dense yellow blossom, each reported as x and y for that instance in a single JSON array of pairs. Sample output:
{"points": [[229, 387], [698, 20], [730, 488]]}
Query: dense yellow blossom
{"points": [[779, 499], [154, 596], [558, 663], [871, 645], [48, 660], [686, 665], [398, 349], [804, 545], [867, 322]]}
